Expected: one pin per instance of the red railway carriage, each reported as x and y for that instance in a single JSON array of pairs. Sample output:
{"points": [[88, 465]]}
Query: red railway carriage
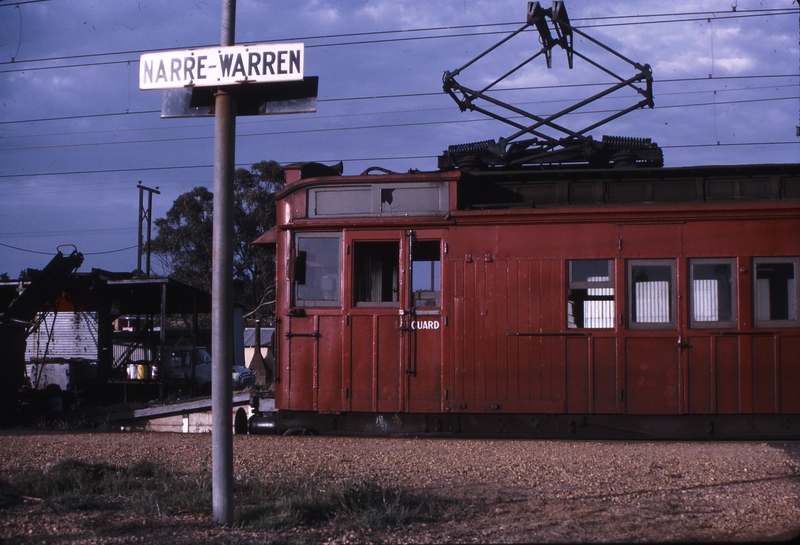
{"points": [[618, 302]]}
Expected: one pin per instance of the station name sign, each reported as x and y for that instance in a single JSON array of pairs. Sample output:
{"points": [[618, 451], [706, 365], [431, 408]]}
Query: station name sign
{"points": [[217, 66]]}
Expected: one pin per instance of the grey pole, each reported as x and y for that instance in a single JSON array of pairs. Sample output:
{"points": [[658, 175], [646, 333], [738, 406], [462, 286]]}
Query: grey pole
{"points": [[145, 215], [141, 220], [222, 292], [149, 228]]}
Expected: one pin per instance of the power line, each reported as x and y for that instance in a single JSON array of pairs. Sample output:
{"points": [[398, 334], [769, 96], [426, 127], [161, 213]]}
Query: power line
{"points": [[330, 160], [368, 127], [395, 96], [271, 119], [696, 16], [411, 95], [94, 232], [21, 3], [26, 250], [408, 157], [75, 117], [107, 171], [112, 251]]}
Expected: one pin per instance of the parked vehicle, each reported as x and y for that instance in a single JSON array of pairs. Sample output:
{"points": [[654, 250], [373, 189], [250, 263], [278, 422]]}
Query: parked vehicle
{"points": [[181, 360]]}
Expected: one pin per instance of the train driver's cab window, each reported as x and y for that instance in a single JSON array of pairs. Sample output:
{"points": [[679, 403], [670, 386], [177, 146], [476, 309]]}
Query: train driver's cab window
{"points": [[590, 297], [651, 294], [376, 267], [776, 291], [315, 270], [426, 273], [711, 296]]}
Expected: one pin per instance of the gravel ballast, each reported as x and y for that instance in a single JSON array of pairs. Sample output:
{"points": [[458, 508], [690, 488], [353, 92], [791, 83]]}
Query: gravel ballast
{"points": [[522, 491]]}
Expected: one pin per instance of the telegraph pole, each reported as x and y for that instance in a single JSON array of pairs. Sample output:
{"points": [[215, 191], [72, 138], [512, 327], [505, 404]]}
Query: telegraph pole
{"points": [[145, 215], [222, 290]]}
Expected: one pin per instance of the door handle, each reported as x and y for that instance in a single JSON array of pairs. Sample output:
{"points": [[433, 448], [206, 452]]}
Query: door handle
{"points": [[403, 321]]}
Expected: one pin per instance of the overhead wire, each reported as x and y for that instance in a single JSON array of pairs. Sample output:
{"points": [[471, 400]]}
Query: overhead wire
{"points": [[696, 16], [750, 13], [84, 253], [370, 127], [407, 95], [22, 3], [321, 160], [317, 117]]}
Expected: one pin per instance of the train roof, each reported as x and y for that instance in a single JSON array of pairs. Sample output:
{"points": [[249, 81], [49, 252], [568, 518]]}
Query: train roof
{"points": [[543, 187]]}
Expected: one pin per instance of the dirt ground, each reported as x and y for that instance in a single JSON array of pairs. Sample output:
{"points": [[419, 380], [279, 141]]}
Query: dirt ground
{"points": [[522, 491]]}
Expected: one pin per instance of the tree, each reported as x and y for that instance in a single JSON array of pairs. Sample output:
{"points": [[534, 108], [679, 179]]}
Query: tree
{"points": [[183, 242]]}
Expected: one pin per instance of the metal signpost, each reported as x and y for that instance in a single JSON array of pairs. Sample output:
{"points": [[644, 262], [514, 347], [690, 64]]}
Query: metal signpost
{"points": [[222, 291], [227, 81]]}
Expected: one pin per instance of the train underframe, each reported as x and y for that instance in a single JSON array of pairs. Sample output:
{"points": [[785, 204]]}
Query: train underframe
{"points": [[530, 426]]}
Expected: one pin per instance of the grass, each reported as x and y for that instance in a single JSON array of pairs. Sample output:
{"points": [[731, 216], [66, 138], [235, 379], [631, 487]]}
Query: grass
{"points": [[278, 505], [290, 503], [76, 485]]}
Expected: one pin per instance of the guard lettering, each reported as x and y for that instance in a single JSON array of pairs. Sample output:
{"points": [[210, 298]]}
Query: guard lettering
{"points": [[425, 324]]}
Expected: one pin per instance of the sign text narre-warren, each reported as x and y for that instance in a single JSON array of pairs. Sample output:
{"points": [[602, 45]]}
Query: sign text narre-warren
{"points": [[215, 66]]}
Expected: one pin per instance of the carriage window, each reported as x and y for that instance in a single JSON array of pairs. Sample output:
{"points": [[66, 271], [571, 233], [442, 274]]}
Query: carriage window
{"points": [[425, 273], [776, 291], [590, 297], [651, 294], [712, 292], [315, 270], [376, 267]]}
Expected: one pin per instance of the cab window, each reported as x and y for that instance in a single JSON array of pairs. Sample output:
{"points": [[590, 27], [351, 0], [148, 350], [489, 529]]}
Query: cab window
{"points": [[315, 270], [376, 267]]}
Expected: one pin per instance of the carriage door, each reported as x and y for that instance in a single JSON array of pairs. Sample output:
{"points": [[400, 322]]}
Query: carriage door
{"points": [[375, 351], [651, 340], [395, 321], [423, 321]]}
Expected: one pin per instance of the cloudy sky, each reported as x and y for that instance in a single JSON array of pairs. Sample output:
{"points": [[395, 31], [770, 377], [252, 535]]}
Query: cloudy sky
{"points": [[77, 134]]}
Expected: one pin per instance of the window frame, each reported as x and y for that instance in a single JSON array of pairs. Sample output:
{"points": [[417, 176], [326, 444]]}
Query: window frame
{"points": [[672, 323], [438, 291], [795, 322], [733, 321], [293, 263], [355, 275], [583, 285]]}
